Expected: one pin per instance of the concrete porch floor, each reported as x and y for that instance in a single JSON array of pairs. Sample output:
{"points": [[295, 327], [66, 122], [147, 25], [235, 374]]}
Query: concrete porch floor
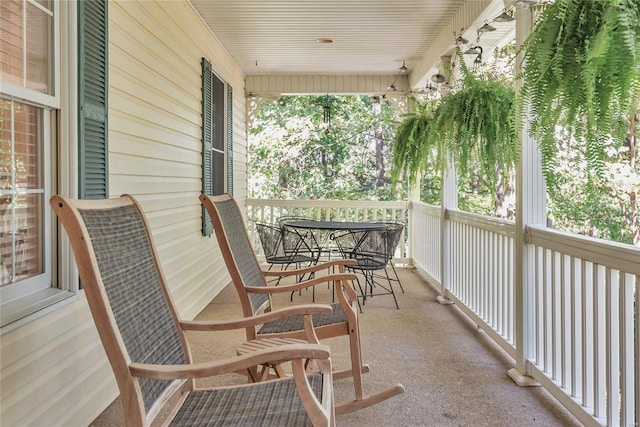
{"points": [[452, 373]]}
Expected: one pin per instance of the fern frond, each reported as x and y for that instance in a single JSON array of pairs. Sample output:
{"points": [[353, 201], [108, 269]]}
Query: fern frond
{"points": [[582, 62]]}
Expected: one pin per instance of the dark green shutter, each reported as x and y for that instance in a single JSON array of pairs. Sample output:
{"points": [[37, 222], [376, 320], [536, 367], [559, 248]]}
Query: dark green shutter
{"points": [[207, 141], [93, 86], [229, 139]]}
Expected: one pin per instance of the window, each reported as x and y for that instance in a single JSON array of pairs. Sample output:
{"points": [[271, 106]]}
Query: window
{"points": [[217, 138], [39, 39], [28, 106]]}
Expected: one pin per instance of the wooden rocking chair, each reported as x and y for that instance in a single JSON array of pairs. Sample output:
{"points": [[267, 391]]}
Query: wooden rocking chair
{"points": [[250, 281], [145, 341]]}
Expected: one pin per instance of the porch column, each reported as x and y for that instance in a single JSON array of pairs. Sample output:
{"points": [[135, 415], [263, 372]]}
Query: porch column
{"points": [[449, 201], [530, 209]]}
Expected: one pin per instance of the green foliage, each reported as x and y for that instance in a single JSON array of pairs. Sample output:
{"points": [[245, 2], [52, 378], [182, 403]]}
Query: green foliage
{"points": [[415, 148], [296, 153], [476, 124], [582, 73], [472, 126], [575, 207]]}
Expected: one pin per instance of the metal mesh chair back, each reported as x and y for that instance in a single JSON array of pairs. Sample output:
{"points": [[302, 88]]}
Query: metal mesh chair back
{"points": [[371, 248], [300, 243], [131, 280], [271, 241]]}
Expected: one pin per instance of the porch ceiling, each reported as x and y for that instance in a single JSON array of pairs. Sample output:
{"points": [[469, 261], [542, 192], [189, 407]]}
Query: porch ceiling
{"points": [[371, 37]]}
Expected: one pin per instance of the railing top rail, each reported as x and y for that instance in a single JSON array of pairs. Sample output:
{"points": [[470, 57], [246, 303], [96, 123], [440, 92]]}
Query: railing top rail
{"points": [[495, 225], [615, 255], [329, 203], [426, 208]]}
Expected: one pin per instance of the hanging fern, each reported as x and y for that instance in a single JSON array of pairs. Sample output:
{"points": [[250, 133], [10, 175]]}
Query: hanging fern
{"points": [[582, 73], [414, 148], [475, 124]]}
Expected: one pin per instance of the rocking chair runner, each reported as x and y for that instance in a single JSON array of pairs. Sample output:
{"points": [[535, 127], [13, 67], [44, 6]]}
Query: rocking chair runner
{"points": [[145, 342], [250, 282]]}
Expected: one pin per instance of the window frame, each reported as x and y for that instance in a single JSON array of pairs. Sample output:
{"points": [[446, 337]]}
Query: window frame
{"points": [[23, 302]]}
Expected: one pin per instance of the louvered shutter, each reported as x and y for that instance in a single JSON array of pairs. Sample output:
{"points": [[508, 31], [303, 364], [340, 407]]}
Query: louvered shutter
{"points": [[93, 102], [229, 139], [207, 141]]}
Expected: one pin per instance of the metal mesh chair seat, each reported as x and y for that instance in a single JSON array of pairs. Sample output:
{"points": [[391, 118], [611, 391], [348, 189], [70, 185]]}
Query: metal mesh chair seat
{"points": [[369, 262], [291, 259], [296, 323], [247, 406]]}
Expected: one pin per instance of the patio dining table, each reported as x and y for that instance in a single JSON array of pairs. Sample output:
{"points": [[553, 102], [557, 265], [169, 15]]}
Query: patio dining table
{"points": [[331, 227], [314, 224], [358, 230]]}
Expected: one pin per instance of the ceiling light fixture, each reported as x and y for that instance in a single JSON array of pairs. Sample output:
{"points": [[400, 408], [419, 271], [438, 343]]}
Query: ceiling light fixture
{"points": [[504, 17], [438, 78], [486, 28], [473, 50], [460, 40]]}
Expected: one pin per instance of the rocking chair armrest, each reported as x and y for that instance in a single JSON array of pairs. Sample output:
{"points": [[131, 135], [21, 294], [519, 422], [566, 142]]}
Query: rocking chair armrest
{"points": [[311, 269], [232, 364], [299, 285], [259, 319]]}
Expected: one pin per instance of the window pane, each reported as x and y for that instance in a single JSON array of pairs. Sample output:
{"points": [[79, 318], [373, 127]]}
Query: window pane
{"points": [[39, 51], [26, 146], [11, 42], [21, 192]]}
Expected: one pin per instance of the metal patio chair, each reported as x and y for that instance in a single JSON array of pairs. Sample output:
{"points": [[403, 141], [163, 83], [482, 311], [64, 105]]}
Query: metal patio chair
{"points": [[250, 282], [145, 340], [372, 250], [284, 247]]}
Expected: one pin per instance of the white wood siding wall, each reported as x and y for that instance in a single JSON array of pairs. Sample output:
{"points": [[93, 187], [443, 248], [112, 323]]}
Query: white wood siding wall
{"points": [[54, 370]]}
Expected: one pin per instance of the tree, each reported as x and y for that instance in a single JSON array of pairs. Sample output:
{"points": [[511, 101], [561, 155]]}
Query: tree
{"points": [[306, 147]]}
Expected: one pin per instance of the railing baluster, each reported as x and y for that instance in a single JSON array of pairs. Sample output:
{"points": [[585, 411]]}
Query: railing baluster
{"points": [[612, 347], [575, 328], [555, 318], [599, 343], [565, 313], [627, 365]]}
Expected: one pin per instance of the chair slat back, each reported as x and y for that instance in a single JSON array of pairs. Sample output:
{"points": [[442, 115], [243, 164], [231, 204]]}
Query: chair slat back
{"points": [[124, 286], [237, 251]]}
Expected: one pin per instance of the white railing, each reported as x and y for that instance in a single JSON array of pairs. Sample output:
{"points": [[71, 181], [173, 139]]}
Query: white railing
{"points": [[259, 210], [581, 331], [586, 342], [426, 246], [481, 272]]}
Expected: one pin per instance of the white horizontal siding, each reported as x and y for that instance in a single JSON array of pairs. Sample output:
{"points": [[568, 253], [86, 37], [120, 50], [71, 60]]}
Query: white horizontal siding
{"points": [[155, 131], [54, 370]]}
